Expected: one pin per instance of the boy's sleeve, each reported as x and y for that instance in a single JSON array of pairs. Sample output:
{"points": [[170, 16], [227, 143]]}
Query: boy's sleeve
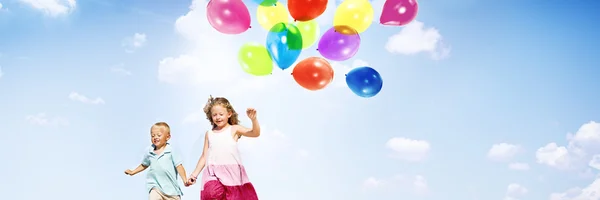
{"points": [[146, 160], [177, 159]]}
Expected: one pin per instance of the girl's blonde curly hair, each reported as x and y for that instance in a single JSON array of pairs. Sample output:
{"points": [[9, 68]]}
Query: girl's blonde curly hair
{"points": [[220, 101]]}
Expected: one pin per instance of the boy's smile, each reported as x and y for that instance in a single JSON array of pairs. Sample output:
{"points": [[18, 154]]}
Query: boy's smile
{"points": [[159, 136]]}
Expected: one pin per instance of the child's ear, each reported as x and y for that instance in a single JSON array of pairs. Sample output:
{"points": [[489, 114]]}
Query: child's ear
{"points": [[229, 114]]}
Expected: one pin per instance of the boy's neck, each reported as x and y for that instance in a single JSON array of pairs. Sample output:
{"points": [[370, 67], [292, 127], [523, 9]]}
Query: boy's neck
{"points": [[160, 148]]}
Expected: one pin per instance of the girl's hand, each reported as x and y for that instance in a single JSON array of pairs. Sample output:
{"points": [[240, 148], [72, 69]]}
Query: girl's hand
{"points": [[191, 181], [251, 112]]}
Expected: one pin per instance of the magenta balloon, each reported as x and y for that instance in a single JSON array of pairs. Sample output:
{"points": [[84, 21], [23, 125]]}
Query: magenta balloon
{"points": [[339, 43], [228, 16], [398, 12]]}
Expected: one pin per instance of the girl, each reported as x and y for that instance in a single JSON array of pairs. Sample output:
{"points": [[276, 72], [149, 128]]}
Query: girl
{"points": [[225, 177]]}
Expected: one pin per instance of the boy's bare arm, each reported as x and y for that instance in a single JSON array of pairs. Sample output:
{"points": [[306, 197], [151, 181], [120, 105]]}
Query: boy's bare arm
{"points": [[181, 171], [136, 170]]}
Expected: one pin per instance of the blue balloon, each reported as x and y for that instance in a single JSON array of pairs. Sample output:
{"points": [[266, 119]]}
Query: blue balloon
{"points": [[364, 81], [284, 43]]}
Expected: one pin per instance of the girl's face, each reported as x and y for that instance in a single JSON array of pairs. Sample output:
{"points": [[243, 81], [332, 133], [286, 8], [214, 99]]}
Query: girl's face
{"points": [[220, 115]]}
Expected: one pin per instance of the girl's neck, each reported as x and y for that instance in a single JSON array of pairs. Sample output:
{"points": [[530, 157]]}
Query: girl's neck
{"points": [[216, 128]]}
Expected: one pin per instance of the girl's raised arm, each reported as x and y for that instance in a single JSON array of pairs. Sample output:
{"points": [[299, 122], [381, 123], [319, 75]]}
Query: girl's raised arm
{"points": [[255, 131]]}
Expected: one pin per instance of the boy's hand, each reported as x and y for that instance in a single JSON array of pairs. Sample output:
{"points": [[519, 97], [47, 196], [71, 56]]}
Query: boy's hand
{"points": [[251, 112], [129, 172]]}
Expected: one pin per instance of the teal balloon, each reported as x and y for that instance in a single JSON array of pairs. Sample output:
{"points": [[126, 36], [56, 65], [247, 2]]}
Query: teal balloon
{"points": [[364, 81], [284, 43]]}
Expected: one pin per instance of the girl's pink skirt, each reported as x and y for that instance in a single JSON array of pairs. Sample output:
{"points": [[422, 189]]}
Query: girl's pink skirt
{"points": [[227, 182]]}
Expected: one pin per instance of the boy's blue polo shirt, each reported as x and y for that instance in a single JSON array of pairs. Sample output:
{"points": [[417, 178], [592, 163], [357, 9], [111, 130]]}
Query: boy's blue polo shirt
{"points": [[162, 171]]}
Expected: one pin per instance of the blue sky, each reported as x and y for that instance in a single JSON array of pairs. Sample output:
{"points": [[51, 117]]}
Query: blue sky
{"points": [[482, 100]]}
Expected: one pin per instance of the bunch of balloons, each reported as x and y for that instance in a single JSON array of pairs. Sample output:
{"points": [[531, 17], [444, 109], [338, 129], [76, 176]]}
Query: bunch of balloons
{"points": [[287, 39]]}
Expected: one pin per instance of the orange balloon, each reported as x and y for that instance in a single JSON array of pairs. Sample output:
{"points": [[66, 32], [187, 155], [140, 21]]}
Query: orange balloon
{"points": [[306, 10], [313, 73]]}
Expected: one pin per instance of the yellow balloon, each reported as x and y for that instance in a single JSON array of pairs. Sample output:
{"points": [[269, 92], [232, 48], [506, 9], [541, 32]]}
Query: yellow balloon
{"points": [[309, 30], [268, 16], [357, 14]]}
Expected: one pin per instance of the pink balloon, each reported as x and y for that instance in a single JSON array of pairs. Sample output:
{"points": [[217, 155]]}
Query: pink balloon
{"points": [[398, 12], [228, 16]]}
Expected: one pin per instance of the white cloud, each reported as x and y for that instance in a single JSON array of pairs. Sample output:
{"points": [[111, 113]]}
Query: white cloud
{"points": [[417, 183], [81, 98], [595, 162], [371, 183], [414, 38], [42, 119], [409, 149], [119, 69], [581, 148], [503, 152], [134, 42], [553, 155], [591, 192], [52, 8], [515, 192], [212, 59], [518, 166], [420, 185], [0, 6], [1, 73]]}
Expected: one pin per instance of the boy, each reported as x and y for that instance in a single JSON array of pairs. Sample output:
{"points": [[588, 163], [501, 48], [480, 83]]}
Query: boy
{"points": [[164, 165]]}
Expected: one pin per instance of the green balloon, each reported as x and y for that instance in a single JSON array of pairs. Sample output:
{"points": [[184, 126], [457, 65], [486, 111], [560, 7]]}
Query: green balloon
{"points": [[293, 36], [255, 59], [268, 3], [310, 32]]}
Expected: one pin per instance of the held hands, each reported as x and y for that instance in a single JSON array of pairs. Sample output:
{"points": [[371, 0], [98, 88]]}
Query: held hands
{"points": [[190, 181], [251, 112]]}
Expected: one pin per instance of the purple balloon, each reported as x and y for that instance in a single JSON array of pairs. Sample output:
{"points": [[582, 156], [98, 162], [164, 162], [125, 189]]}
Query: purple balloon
{"points": [[339, 43]]}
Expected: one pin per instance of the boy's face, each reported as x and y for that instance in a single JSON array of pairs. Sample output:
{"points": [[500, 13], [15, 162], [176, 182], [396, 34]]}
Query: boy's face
{"points": [[220, 115], [159, 136]]}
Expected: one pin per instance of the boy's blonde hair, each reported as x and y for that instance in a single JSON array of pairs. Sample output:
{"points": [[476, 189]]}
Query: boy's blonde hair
{"points": [[164, 125], [220, 101]]}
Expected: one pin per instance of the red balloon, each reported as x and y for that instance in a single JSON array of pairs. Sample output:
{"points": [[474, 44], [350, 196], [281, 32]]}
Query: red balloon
{"points": [[306, 10], [313, 73]]}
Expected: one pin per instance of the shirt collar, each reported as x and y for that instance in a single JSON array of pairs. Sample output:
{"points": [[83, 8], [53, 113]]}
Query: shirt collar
{"points": [[167, 148]]}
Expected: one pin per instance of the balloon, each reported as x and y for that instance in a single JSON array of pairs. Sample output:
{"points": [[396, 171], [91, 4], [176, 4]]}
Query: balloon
{"points": [[228, 16], [339, 43], [357, 14], [255, 59], [309, 31], [313, 73], [398, 12], [268, 16], [265, 2], [306, 10], [364, 81], [284, 43]]}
